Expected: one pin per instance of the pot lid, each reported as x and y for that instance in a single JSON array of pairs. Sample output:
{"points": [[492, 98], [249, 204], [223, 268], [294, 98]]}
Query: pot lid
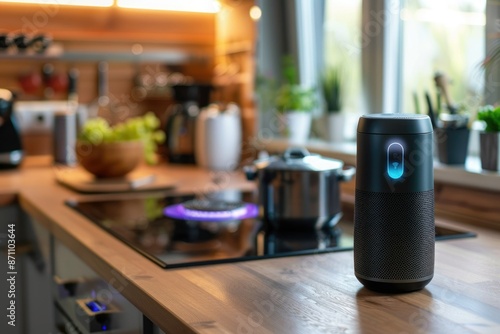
{"points": [[299, 159]]}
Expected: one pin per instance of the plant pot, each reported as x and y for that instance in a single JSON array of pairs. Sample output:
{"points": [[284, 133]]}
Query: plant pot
{"points": [[297, 126], [452, 145], [489, 150], [335, 123]]}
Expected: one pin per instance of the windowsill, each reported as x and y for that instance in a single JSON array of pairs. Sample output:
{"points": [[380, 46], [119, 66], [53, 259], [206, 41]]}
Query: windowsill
{"points": [[470, 175]]}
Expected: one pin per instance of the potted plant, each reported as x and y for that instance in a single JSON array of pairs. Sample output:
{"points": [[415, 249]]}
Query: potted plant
{"points": [[295, 103], [489, 139], [331, 85]]}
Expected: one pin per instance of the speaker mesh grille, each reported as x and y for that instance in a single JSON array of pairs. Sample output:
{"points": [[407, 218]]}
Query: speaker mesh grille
{"points": [[394, 235]]}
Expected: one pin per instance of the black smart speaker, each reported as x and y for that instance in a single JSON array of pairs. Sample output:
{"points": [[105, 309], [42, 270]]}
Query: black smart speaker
{"points": [[394, 205]]}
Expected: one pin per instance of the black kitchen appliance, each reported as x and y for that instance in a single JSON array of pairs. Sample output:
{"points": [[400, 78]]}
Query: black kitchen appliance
{"points": [[181, 121], [141, 221], [11, 152], [394, 203]]}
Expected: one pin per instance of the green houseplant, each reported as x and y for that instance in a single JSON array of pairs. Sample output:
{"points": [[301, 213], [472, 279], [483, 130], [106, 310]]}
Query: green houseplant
{"points": [[295, 103], [331, 84], [489, 139]]}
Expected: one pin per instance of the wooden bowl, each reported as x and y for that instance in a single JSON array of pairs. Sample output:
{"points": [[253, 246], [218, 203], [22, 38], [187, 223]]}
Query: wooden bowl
{"points": [[109, 160]]}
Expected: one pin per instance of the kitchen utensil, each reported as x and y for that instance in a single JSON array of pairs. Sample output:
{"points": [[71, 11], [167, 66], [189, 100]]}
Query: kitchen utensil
{"points": [[299, 190], [394, 204], [21, 41], [39, 43], [54, 81], [416, 103], [102, 105], [30, 82], [430, 110], [218, 137], [5, 41], [441, 82], [11, 152], [72, 91]]}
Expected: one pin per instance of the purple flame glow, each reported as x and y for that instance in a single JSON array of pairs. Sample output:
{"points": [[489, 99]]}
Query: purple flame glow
{"points": [[178, 211]]}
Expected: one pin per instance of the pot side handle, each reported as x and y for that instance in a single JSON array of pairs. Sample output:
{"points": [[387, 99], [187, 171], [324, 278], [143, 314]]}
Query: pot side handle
{"points": [[347, 173], [250, 172]]}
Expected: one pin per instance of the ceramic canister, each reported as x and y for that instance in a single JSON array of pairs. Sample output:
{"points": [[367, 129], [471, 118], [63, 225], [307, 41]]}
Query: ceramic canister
{"points": [[218, 138]]}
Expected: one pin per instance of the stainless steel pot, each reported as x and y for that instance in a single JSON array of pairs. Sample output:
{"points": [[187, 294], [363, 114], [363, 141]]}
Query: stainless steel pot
{"points": [[299, 189]]}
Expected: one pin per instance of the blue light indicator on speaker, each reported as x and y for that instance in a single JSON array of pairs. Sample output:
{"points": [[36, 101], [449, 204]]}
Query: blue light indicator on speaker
{"points": [[395, 160]]}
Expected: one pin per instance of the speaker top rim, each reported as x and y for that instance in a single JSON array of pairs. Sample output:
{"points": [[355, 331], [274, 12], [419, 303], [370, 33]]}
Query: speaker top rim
{"points": [[400, 124]]}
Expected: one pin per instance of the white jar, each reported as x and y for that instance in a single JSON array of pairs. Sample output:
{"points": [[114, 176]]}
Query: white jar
{"points": [[218, 138]]}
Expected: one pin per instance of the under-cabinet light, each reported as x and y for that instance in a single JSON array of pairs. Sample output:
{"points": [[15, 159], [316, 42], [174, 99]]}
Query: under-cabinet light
{"points": [[91, 3], [199, 6]]}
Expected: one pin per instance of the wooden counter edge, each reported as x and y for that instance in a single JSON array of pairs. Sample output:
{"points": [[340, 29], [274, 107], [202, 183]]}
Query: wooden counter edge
{"points": [[145, 303]]}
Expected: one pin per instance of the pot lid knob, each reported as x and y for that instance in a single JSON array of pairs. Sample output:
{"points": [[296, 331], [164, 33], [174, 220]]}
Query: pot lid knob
{"points": [[296, 153]]}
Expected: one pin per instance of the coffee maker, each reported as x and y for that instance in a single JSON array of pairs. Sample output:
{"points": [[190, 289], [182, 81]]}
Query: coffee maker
{"points": [[181, 121], [11, 152]]}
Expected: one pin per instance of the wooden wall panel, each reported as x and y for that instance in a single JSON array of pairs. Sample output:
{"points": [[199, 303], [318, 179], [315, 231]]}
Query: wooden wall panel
{"points": [[221, 48], [110, 24], [105, 31], [235, 69]]}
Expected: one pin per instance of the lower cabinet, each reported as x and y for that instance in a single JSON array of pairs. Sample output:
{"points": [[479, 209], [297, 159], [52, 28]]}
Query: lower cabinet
{"points": [[24, 262], [52, 290], [86, 302]]}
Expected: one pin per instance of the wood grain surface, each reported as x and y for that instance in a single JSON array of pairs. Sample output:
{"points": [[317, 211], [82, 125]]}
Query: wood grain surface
{"points": [[303, 294]]}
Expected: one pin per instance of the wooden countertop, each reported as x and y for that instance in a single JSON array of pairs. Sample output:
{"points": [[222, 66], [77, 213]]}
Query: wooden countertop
{"points": [[316, 293]]}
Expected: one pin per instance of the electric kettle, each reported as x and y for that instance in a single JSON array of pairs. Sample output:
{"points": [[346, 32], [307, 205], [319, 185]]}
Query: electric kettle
{"points": [[11, 152]]}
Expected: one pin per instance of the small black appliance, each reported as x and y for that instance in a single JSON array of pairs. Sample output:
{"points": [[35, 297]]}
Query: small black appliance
{"points": [[181, 121], [394, 202], [11, 152]]}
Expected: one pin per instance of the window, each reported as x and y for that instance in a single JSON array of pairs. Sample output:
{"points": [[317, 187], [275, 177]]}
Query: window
{"points": [[343, 47], [445, 36]]}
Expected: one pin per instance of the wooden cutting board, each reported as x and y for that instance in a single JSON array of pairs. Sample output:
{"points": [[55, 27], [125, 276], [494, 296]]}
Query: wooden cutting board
{"points": [[78, 179]]}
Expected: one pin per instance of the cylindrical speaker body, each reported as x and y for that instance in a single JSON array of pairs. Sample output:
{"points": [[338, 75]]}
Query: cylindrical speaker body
{"points": [[394, 205]]}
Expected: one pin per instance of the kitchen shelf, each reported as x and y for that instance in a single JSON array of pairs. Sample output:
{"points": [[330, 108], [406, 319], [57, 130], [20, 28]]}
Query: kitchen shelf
{"points": [[56, 52], [234, 48], [239, 78]]}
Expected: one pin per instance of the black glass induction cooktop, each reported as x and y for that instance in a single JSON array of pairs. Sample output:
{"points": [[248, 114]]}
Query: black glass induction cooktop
{"points": [[142, 223]]}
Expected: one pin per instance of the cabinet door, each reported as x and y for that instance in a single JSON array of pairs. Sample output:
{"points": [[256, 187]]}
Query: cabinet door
{"points": [[28, 304], [90, 302], [11, 302]]}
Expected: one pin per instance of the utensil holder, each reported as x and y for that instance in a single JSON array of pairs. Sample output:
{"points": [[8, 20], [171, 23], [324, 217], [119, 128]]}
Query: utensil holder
{"points": [[452, 145]]}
